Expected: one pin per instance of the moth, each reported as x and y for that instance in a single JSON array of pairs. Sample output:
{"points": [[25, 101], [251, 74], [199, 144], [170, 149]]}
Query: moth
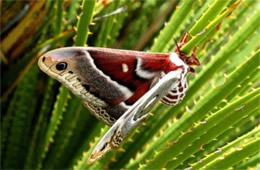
{"points": [[120, 87]]}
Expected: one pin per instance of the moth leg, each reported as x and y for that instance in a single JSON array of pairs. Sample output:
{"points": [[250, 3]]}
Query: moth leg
{"points": [[182, 42], [134, 115], [184, 38], [193, 55]]}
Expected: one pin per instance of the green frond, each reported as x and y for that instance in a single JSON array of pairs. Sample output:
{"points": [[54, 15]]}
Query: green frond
{"points": [[16, 126], [84, 21], [216, 126], [167, 34]]}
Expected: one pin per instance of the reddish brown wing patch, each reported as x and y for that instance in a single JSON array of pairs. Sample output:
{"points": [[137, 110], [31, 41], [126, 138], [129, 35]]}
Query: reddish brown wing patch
{"points": [[120, 66]]}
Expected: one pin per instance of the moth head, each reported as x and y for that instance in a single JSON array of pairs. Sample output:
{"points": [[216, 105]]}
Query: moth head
{"points": [[189, 60], [58, 61]]}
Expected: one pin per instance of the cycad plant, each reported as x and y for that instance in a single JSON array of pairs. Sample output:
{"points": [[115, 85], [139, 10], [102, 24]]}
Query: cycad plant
{"points": [[44, 126]]}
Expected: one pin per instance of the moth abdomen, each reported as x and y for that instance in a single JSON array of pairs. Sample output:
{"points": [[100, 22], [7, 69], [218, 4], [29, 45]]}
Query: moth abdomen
{"points": [[176, 93]]}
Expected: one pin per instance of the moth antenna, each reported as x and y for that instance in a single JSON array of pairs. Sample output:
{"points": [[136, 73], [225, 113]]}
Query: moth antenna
{"points": [[178, 48], [184, 38], [117, 11]]}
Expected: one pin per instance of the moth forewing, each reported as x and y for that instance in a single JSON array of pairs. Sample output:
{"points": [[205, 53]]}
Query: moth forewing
{"points": [[134, 115]]}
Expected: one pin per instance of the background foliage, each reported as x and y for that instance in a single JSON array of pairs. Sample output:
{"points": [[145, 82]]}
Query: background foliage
{"points": [[43, 126]]}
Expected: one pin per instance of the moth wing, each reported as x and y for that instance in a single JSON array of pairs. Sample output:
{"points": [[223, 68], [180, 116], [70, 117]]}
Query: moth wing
{"points": [[134, 116], [123, 66]]}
